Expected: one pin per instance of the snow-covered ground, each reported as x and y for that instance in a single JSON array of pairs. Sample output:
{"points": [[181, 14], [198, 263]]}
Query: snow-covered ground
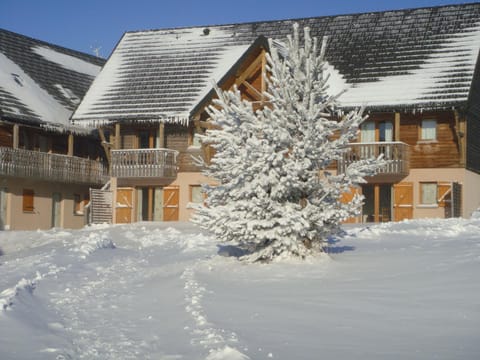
{"points": [[405, 290]]}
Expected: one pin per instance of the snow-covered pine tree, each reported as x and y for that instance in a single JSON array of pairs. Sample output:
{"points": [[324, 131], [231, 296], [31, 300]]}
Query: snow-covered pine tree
{"points": [[274, 193]]}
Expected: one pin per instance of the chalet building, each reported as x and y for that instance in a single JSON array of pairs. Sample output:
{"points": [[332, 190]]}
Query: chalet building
{"points": [[416, 71], [47, 166]]}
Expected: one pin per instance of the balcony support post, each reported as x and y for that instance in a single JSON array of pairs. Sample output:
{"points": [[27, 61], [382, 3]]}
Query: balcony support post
{"points": [[117, 136], [161, 135], [397, 126], [16, 135], [70, 145]]}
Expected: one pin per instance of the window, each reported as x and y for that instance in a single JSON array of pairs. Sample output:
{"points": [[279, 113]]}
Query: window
{"points": [[27, 204], [196, 194], [428, 132], [428, 193], [367, 132]]}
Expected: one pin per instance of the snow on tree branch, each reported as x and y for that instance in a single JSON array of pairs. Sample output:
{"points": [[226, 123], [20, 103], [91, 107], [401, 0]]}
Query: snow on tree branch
{"points": [[276, 193]]}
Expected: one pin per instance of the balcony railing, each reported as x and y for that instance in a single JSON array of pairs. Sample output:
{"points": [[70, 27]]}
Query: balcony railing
{"points": [[395, 153], [51, 167], [144, 163]]}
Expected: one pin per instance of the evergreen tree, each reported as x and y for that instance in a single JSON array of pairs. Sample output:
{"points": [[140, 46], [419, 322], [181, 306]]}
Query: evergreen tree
{"points": [[275, 194]]}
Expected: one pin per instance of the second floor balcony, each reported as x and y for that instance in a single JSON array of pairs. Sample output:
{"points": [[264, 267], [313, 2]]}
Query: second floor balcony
{"points": [[395, 153], [144, 163], [51, 167]]}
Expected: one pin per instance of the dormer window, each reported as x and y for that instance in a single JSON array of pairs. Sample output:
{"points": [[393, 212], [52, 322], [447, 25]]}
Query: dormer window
{"points": [[68, 94], [18, 79]]}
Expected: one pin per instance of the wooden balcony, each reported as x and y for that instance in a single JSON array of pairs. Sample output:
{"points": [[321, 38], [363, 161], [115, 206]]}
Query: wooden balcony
{"points": [[395, 153], [52, 167], [144, 163]]}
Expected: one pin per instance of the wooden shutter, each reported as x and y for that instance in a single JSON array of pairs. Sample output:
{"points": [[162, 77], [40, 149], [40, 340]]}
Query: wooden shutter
{"points": [[444, 190], [403, 201], [346, 198], [28, 196], [170, 203]]}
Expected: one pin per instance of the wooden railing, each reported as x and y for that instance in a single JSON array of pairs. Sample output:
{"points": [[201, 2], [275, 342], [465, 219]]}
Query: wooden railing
{"points": [[143, 163], [395, 153], [51, 167]]}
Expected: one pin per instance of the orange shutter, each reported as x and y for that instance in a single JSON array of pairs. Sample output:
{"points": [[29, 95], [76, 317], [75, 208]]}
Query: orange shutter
{"points": [[28, 196], [444, 193], [348, 197]]}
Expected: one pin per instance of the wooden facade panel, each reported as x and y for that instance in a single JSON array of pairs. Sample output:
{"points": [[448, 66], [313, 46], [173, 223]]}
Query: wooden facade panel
{"points": [[443, 152], [177, 138], [6, 137]]}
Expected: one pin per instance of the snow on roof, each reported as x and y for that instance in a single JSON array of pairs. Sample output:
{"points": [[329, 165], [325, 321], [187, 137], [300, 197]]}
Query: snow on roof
{"points": [[42, 83], [15, 81], [159, 75], [405, 59], [68, 61], [423, 85]]}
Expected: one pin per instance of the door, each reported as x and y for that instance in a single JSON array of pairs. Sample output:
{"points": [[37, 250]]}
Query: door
{"points": [[123, 205], [403, 201], [56, 210], [170, 203]]}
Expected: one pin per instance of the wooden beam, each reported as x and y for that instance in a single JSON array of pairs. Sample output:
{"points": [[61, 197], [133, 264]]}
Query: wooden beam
{"points": [[161, 135], [252, 68], [254, 92], [150, 203], [105, 144], [397, 126], [263, 75], [460, 132], [70, 145], [207, 125], [376, 196], [16, 136], [117, 137]]}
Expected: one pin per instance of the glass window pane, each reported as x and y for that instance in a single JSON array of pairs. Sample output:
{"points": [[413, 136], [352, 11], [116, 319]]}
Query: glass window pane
{"points": [[428, 193], [429, 130], [367, 132], [196, 193]]}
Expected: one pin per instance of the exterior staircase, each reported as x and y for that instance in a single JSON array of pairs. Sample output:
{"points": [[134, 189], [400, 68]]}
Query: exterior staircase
{"points": [[99, 209]]}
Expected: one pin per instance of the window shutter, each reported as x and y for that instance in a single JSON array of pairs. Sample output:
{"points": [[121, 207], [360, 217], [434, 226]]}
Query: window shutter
{"points": [[28, 196], [444, 191]]}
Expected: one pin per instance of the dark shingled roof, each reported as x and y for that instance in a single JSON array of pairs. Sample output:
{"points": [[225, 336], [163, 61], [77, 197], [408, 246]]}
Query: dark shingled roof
{"points": [[405, 59], [41, 83]]}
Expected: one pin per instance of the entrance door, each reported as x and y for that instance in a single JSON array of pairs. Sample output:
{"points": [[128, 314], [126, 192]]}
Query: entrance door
{"points": [[170, 203], [56, 210], [377, 206], [403, 201], [123, 206]]}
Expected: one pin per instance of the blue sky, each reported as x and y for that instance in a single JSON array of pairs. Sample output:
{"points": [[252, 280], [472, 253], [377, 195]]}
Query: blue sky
{"points": [[87, 24]]}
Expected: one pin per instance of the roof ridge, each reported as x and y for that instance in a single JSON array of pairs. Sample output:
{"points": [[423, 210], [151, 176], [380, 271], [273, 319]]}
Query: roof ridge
{"points": [[302, 18]]}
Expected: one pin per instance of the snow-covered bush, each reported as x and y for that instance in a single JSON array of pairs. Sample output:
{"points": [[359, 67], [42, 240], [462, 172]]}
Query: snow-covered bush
{"points": [[274, 193]]}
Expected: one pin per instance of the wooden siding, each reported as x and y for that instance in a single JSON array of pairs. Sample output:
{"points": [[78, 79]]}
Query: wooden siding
{"points": [[473, 123], [176, 137], [6, 137], [444, 152]]}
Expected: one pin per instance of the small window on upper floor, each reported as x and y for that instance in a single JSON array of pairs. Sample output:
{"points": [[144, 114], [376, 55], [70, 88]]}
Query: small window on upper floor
{"points": [[428, 131]]}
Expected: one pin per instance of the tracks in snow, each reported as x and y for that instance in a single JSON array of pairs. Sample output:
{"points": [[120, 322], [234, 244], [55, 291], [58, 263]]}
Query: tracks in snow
{"points": [[220, 343]]}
